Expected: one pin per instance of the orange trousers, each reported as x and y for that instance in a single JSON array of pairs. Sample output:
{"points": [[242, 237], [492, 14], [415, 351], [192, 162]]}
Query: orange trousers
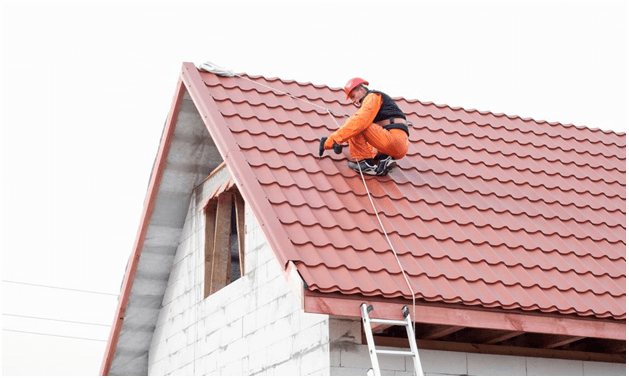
{"points": [[374, 139], [366, 138]]}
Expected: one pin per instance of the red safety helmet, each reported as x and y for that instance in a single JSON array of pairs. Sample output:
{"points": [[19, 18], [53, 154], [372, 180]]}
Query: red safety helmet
{"points": [[353, 83]]}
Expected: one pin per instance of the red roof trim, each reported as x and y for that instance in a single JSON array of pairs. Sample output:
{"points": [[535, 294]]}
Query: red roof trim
{"points": [[349, 305], [149, 205]]}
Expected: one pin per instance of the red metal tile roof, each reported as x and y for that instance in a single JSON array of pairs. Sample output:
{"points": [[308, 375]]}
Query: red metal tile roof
{"points": [[486, 209]]}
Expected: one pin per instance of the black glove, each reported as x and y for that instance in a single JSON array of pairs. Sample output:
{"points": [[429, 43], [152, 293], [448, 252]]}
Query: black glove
{"points": [[336, 147], [321, 143]]}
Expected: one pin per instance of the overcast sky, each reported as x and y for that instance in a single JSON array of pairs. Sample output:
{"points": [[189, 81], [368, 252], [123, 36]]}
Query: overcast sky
{"points": [[87, 85]]}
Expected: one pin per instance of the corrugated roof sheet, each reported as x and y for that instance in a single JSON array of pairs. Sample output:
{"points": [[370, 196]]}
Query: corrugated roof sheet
{"points": [[486, 209]]}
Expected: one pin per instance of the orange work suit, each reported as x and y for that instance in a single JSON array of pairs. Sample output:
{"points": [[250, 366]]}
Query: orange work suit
{"points": [[366, 138]]}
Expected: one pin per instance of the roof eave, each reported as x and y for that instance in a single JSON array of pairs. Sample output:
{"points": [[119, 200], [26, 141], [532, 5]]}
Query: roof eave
{"points": [[465, 316]]}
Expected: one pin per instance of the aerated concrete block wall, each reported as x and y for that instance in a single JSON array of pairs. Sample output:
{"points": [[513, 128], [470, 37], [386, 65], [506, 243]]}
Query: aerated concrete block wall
{"points": [[254, 326]]}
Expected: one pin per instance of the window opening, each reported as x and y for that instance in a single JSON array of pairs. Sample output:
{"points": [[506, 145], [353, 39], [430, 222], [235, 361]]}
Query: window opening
{"points": [[224, 241]]}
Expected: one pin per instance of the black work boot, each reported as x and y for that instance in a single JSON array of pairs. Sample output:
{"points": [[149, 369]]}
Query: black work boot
{"points": [[367, 166], [385, 165]]}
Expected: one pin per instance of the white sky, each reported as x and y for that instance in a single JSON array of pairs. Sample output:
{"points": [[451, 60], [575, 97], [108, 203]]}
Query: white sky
{"points": [[87, 86]]}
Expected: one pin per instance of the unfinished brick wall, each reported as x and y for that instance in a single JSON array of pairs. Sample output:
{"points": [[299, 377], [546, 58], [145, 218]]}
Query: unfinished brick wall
{"points": [[253, 326]]}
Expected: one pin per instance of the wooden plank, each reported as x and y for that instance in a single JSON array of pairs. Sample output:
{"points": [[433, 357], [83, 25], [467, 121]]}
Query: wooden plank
{"points": [[501, 349], [506, 336], [221, 257], [557, 341], [442, 333], [211, 185], [210, 220], [240, 229], [375, 328], [467, 317]]}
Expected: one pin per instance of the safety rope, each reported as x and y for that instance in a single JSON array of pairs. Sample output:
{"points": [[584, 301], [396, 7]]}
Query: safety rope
{"points": [[386, 235], [408, 283], [331, 112]]}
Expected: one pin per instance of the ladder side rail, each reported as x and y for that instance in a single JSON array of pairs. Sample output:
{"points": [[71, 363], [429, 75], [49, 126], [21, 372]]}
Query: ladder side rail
{"points": [[370, 341], [413, 343]]}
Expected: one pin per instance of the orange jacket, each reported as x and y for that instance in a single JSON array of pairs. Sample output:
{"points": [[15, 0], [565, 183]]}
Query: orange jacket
{"points": [[362, 119]]}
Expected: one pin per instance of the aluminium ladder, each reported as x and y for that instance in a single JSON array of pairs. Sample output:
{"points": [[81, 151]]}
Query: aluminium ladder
{"points": [[373, 352]]}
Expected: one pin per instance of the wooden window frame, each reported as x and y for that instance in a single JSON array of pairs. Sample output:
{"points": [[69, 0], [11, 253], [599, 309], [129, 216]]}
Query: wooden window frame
{"points": [[217, 249]]}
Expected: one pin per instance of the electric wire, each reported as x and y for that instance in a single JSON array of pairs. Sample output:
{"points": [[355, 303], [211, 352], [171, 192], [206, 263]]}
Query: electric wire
{"points": [[56, 320], [52, 335], [59, 288]]}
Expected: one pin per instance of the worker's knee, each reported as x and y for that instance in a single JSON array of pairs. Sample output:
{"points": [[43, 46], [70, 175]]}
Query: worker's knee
{"points": [[396, 144]]}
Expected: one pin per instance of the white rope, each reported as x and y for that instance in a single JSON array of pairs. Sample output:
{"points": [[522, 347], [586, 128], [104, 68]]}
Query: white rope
{"points": [[408, 283]]}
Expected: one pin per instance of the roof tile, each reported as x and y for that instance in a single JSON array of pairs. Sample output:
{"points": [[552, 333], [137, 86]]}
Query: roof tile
{"points": [[486, 209]]}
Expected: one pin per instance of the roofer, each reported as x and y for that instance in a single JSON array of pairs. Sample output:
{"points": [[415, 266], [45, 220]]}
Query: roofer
{"points": [[377, 133]]}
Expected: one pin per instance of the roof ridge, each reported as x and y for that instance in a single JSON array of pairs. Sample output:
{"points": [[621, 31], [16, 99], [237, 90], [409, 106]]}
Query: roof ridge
{"points": [[430, 103], [454, 108]]}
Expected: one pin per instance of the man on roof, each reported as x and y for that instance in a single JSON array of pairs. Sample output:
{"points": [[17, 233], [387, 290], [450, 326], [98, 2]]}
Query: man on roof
{"points": [[377, 133]]}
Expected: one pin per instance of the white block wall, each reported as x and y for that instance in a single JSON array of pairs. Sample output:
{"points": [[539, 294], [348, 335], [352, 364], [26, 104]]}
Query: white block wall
{"points": [[349, 357], [254, 326]]}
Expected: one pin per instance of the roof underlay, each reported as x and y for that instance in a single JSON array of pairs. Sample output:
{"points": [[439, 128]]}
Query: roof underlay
{"points": [[502, 223]]}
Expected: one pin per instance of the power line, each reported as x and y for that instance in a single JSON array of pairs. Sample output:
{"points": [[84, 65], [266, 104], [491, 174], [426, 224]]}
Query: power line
{"points": [[49, 334], [56, 320], [60, 288]]}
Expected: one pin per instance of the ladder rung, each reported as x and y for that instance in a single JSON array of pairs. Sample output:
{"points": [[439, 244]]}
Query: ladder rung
{"points": [[389, 322], [396, 352]]}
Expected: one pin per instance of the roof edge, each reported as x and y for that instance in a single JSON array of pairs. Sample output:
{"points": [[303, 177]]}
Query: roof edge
{"points": [[236, 161], [149, 206]]}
